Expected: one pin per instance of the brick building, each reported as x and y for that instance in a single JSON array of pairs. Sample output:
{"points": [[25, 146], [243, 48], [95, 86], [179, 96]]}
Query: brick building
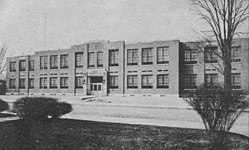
{"points": [[103, 68]]}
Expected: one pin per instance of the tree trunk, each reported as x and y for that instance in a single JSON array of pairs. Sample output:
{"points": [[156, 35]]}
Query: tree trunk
{"points": [[227, 66]]}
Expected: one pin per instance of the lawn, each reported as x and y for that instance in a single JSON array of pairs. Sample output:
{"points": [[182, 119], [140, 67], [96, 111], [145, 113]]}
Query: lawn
{"points": [[66, 134]]}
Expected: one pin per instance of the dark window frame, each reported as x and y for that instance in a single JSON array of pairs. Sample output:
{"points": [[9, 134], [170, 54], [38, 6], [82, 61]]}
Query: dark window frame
{"points": [[191, 56], [91, 60], [31, 86], [165, 53], [113, 57], [53, 63], [113, 82], [100, 61], [78, 61], [12, 83], [76, 83], [32, 65], [44, 62], [50, 83], [63, 86], [233, 80], [22, 65], [21, 83], [133, 59], [42, 80], [163, 81], [192, 82], [12, 66], [133, 79], [147, 86], [234, 57], [147, 59], [213, 79], [209, 54], [64, 61]]}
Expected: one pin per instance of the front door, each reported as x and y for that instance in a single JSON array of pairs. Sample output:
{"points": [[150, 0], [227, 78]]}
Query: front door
{"points": [[96, 84]]}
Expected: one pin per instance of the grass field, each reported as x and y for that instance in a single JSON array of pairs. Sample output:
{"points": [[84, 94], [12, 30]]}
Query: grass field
{"points": [[66, 134]]}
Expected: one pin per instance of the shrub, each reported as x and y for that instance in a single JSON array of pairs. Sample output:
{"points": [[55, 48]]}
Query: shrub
{"points": [[218, 108], [40, 108], [3, 105]]}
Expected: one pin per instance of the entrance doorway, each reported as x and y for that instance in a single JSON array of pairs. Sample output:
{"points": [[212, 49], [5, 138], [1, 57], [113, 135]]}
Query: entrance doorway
{"points": [[96, 85]]}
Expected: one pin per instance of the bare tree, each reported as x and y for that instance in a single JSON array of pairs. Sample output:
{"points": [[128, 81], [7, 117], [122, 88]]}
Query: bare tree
{"points": [[3, 51], [224, 18]]}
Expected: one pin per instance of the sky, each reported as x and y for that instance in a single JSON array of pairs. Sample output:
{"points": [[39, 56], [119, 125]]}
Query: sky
{"points": [[72, 22]]}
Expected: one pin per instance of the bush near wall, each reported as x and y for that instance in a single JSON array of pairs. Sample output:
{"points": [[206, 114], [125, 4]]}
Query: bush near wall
{"points": [[3, 105], [40, 108]]}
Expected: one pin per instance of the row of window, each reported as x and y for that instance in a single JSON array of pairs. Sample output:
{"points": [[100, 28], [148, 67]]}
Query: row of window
{"points": [[210, 79], [147, 81], [211, 54], [147, 56], [22, 65], [44, 82]]}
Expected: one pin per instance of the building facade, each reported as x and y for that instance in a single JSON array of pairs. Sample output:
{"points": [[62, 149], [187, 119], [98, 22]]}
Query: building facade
{"points": [[103, 68]]}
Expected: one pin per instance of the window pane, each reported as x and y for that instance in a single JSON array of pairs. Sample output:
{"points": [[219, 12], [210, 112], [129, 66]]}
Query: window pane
{"points": [[163, 81], [147, 81], [113, 82], [132, 81], [31, 83], [31, 65], [64, 82], [43, 82], [12, 66], [21, 83], [147, 56], [22, 65], [64, 61], [53, 82], [91, 59], [99, 59], [132, 56], [12, 83], [44, 62], [113, 57], [162, 55], [236, 80], [54, 62], [79, 59], [79, 82]]}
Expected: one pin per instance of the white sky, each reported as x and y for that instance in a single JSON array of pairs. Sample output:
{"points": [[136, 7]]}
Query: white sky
{"points": [[71, 22]]}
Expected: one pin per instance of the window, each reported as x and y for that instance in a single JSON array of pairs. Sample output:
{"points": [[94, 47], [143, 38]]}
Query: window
{"points": [[113, 57], [12, 66], [113, 82], [12, 83], [162, 55], [31, 65], [64, 61], [44, 62], [190, 56], [190, 81], [99, 59], [64, 82], [22, 65], [79, 82], [162, 81], [79, 60], [132, 81], [147, 56], [147, 82], [236, 54], [21, 83], [236, 80], [53, 62], [132, 56], [53, 82], [43, 82], [91, 60], [211, 79], [31, 83], [211, 54]]}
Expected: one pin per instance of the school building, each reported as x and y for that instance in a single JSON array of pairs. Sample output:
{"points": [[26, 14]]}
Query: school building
{"points": [[106, 68]]}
